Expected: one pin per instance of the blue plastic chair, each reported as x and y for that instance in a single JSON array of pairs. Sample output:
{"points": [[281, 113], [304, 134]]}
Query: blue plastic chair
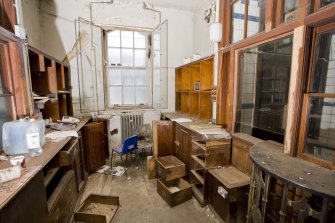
{"points": [[129, 146]]}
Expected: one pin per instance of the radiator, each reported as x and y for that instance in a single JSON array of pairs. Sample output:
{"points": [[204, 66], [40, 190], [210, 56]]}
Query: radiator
{"points": [[126, 125], [130, 124]]}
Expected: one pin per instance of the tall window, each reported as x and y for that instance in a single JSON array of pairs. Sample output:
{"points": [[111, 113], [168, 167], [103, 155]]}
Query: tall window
{"points": [[254, 19], [128, 76], [263, 80], [317, 136]]}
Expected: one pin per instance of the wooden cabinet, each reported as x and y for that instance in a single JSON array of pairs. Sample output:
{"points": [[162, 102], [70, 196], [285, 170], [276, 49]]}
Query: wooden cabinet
{"points": [[207, 154], [193, 83], [240, 151], [50, 78], [94, 143], [28, 205], [182, 138]]}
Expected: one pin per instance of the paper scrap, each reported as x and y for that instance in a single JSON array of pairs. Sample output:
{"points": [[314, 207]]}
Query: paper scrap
{"points": [[181, 120], [115, 171], [58, 135]]}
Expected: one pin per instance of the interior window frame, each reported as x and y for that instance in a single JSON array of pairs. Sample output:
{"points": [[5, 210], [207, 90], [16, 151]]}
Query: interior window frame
{"points": [[308, 96], [245, 21], [316, 5]]}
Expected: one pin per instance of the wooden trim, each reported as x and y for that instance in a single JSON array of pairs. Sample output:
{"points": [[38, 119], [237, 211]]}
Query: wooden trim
{"points": [[246, 7], [269, 14], [295, 90], [321, 17], [279, 12]]}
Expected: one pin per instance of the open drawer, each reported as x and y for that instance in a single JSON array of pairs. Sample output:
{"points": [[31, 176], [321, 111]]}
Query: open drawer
{"points": [[67, 154]]}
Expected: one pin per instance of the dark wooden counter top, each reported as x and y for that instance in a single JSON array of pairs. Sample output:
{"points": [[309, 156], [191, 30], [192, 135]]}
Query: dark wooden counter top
{"points": [[305, 175]]}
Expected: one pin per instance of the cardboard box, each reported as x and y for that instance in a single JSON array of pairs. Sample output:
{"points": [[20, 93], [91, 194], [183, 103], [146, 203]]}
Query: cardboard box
{"points": [[97, 209], [170, 168], [174, 192]]}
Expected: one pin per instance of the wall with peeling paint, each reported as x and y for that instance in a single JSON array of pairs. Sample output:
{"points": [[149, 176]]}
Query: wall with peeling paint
{"points": [[32, 22], [57, 36]]}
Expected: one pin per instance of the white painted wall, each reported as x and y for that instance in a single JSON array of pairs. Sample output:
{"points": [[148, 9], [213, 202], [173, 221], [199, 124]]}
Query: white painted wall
{"points": [[202, 45], [32, 23]]}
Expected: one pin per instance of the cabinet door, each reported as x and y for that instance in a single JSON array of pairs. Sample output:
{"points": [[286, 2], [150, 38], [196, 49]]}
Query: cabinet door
{"points": [[162, 138], [94, 141]]}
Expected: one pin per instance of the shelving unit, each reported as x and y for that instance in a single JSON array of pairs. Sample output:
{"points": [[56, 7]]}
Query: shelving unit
{"points": [[51, 78], [206, 155], [193, 86]]}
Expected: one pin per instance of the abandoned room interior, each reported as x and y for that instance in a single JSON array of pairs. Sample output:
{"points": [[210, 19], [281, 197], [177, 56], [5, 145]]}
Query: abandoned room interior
{"points": [[167, 111]]}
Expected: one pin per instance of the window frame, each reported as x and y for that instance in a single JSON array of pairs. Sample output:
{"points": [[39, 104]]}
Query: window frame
{"points": [[308, 95], [245, 20], [316, 4], [111, 105]]}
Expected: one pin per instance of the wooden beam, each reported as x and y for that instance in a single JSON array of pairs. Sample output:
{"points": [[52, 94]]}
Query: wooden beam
{"points": [[295, 90]]}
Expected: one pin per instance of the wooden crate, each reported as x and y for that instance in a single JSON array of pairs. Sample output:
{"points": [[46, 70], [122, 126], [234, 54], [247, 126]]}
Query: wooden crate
{"points": [[97, 209], [170, 168], [174, 192], [232, 208]]}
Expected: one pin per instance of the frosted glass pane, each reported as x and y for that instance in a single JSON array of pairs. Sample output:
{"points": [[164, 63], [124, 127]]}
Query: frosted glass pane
{"points": [[115, 76], [141, 77], [157, 95], [157, 77], [114, 39], [129, 95], [157, 58], [141, 95], [115, 95], [128, 76], [139, 40], [140, 58], [114, 56], [127, 39], [127, 57]]}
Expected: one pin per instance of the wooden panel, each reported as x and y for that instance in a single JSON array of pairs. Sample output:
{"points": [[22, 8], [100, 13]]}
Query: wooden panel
{"points": [[206, 76], [63, 200], [51, 110], [185, 78], [66, 155], [162, 138], [178, 101], [185, 146], [36, 62], [185, 102], [240, 152], [169, 168], [94, 143], [8, 14], [194, 103], [178, 79], [205, 105], [28, 205], [195, 75]]}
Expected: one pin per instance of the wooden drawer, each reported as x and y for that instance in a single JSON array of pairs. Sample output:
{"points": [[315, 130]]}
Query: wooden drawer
{"points": [[174, 192], [212, 160], [62, 202], [67, 154], [170, 168]]}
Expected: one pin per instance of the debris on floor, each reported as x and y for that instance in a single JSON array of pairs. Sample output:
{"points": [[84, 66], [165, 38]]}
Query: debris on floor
{"points": [[115, 171]]}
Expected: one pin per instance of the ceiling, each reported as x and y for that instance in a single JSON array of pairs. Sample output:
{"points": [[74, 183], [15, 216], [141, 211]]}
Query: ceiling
{"points": [[191, 5]]}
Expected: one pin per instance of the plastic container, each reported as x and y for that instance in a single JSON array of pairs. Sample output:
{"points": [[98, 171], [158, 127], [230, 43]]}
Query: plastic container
{"points": [[16, 133]]}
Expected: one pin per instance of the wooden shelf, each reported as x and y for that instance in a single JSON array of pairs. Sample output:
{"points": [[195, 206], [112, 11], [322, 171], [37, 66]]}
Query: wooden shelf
{"points": [[201, 162], [50, 76], [193, 86], [50, 175], [199, 174], [198, 192]]}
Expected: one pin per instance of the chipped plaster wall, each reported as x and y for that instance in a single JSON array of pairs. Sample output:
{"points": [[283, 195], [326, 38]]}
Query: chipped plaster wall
{"points": [[32, 22]]}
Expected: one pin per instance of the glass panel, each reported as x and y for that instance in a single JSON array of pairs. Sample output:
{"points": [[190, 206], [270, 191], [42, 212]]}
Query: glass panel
{"points": [[237, 27], [139, 58], [115, 76], [127, 57], [156, 95], [139, 40], [114, 57], [320, 139], [157, 58], [256, 17], [129, 95], [127, 39], [157, 41], [263, 89], [141, 77], [324, 64], [114, 38], [128, 76], [141, 95], [115, 95], [289, 10], [326, 2]]}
